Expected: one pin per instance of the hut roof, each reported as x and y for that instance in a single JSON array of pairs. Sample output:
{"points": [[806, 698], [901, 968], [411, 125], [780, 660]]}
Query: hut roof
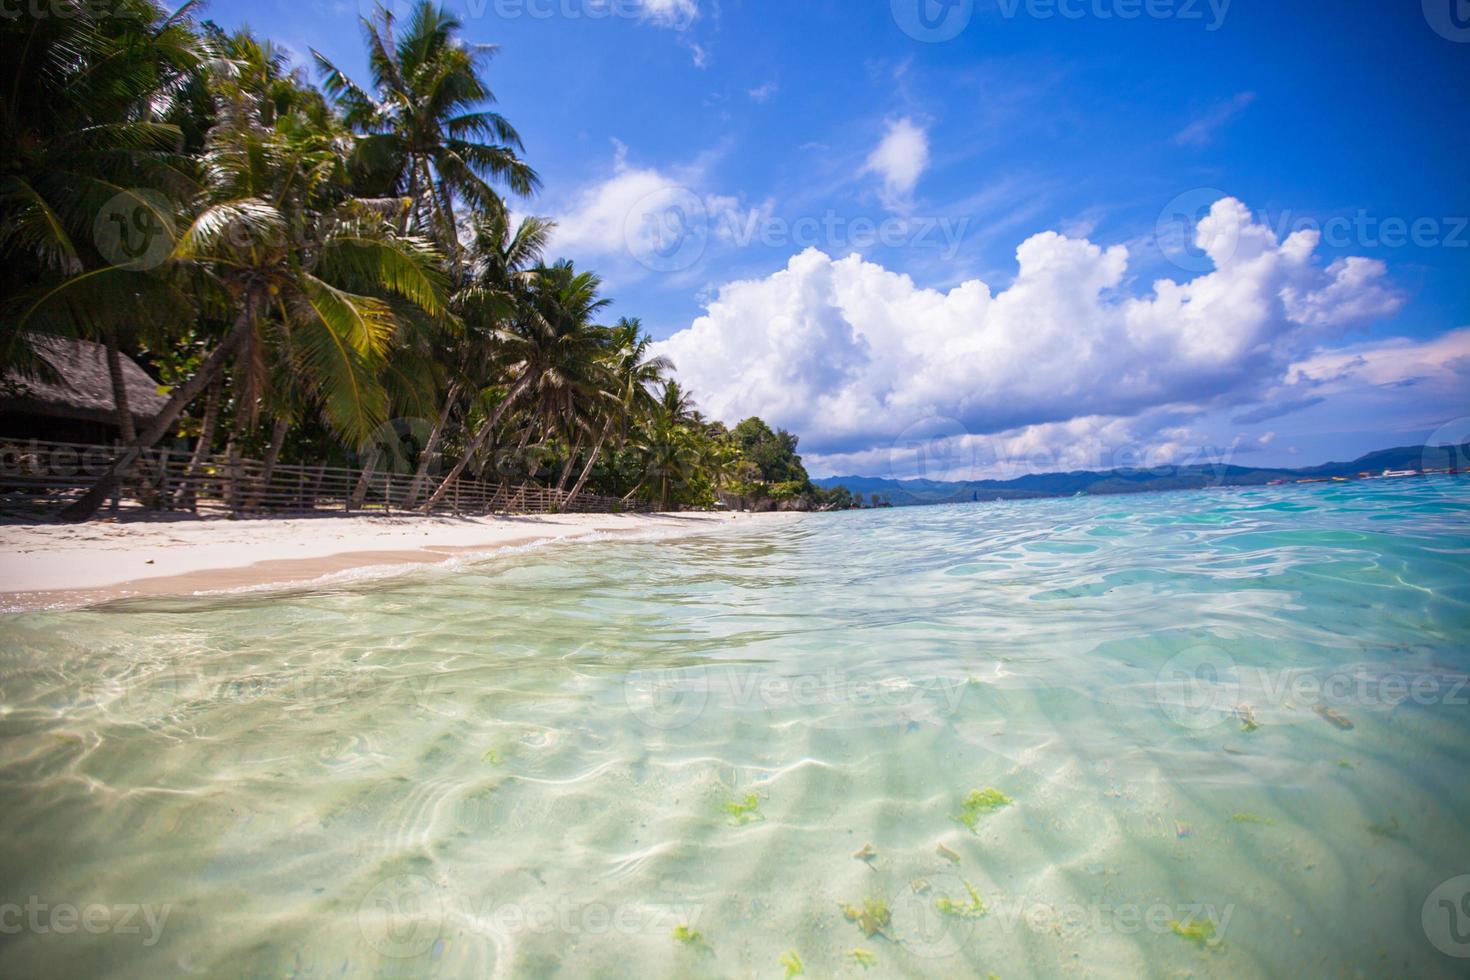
{"points": [[82, 388]]}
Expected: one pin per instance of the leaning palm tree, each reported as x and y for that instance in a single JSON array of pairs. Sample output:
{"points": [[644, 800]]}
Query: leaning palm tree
{"points": [[553, 355], [427, 135], [496, 286], [634, 373], [307, 270]]}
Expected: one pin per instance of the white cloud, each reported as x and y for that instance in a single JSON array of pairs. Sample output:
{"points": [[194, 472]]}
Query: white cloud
{"points": [[1201, 132], [764, 92], [900, 159], [660, 219], [677, 14], [852, 355]]}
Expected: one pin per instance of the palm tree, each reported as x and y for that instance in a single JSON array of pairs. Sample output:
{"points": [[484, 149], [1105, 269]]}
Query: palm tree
{"points": [[634, 374], [81, 136], [497, 285], [553, 357], [307, 269], [427, 134]]}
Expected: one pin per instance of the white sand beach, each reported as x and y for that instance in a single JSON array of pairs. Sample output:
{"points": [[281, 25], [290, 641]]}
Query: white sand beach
{"points": [[48, 565]]}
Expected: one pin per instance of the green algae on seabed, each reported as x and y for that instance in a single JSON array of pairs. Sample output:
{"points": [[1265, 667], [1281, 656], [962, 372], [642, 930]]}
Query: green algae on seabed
{"points": [[863, 958], [873, 918], [978, 804], [973, 909], [792, 962], [1388, 830], [1247, 718], [688, 936], [1332, 716], [1201, 933], [1252, 818], [745, 811]]}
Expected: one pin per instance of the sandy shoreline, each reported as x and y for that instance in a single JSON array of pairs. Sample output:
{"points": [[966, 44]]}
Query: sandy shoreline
{"points": [[55, 565]]}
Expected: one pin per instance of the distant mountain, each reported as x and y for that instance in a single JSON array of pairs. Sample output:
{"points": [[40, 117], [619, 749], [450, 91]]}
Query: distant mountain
{"points": [[907, 493]]}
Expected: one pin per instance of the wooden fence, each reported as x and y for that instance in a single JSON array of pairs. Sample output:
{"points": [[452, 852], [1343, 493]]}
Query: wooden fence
{"points": [[39, 478]]}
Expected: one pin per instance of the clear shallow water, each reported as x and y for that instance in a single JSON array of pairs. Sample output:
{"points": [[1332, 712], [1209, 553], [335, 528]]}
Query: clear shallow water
{"points": [[544, 765]]}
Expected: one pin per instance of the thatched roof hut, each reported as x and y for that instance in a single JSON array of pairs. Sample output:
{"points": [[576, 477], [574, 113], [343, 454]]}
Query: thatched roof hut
{"points": [[80, 393]]}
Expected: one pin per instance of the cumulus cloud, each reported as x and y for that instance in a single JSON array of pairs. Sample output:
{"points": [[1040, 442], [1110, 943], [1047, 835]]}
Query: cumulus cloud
{"points": [[900, 160], [853, 356], [645, 215]]}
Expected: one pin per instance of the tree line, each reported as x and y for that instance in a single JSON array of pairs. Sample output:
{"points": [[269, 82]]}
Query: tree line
{"points": [[301, 264]]}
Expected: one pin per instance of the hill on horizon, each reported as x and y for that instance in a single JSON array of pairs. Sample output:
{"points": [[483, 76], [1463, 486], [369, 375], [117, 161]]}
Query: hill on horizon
{"points": [[909, 493]]}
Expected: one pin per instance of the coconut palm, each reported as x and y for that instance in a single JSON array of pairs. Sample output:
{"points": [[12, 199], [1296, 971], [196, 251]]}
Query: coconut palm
{"points": [[427, 133], [552, 357], [307, 269], [496, 286], [634, 373]]}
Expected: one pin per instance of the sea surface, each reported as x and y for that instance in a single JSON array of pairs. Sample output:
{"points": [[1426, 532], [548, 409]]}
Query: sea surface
{"points": [[1216, 734]]}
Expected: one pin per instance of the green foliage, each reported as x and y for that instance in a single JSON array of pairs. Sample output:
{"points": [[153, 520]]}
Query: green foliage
{"points": [[1201, 932], [973, 909], [744, 811], [863, 958], [687, 935], [980, 803], [873, 918], [792, 962]]}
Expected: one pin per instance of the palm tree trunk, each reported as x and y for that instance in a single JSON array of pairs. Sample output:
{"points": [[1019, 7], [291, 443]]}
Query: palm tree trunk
{"points": [[365, 481], [188, 493], [591, 462], [86, 506], [566, 470], [478, 443], [431, 448], [125, 426], [272, 454]]}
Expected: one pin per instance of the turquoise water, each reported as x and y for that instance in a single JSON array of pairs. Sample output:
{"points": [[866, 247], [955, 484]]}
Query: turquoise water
{"points": [[545, 765]]}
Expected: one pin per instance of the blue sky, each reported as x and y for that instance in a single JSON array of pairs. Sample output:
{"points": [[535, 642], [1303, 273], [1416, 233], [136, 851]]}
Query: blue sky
{"points": [[821, 213]]}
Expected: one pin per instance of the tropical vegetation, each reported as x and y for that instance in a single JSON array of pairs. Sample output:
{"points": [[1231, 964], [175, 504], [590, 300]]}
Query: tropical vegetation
{"points": [[305, 265]]}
